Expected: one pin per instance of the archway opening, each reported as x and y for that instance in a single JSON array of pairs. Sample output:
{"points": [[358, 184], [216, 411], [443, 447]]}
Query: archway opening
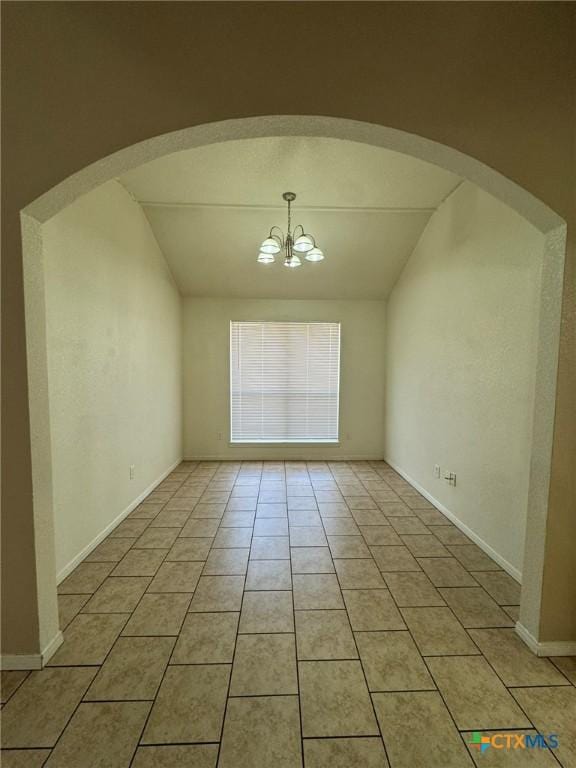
{"points": [[551, 227]]}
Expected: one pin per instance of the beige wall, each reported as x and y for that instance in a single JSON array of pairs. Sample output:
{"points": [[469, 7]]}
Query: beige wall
{"points": [[114, 364], [207, 387], [461, 361], [492, 80]]}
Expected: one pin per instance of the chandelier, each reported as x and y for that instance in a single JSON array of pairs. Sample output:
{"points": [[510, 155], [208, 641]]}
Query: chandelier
{"points": [[294, 244]]}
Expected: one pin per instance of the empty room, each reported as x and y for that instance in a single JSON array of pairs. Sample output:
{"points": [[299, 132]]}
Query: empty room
{"points": [[288, 419]]}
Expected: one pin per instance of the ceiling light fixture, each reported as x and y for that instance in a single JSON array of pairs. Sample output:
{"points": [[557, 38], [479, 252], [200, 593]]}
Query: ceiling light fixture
{"points": [[294, 243]]}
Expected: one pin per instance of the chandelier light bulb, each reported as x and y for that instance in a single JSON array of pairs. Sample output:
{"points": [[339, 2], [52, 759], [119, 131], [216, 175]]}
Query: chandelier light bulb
{"points": [[314, 255], [270, 245], [265, 258], [293, 262], [303, 244]]}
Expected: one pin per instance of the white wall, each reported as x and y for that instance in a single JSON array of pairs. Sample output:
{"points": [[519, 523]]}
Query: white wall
{"points": [[207, 387], [461, 353], [114, 360]]}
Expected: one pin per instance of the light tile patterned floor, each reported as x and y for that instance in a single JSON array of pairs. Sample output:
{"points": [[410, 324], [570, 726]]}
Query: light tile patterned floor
{"points": [[271, 614]]}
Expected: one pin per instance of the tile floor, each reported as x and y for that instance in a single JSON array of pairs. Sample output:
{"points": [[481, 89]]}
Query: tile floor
{"points": [[283, 614]]}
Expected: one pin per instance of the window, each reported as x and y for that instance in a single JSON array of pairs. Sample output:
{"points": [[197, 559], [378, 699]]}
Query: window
{"points": [[284, 382]]}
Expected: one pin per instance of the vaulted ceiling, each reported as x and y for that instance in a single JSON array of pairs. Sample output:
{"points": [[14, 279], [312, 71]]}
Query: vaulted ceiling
{"points": [[210, 208]]}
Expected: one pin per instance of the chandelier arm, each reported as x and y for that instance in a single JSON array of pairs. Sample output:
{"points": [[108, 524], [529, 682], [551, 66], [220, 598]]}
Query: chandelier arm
{"points": [[279, 238]]}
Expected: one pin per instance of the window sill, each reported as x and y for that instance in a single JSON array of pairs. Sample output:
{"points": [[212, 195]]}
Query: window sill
{"points": [[284, 442]]}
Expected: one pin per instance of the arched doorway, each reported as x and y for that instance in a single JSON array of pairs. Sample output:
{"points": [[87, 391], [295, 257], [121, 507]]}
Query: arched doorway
{"points": [[538, 214]]}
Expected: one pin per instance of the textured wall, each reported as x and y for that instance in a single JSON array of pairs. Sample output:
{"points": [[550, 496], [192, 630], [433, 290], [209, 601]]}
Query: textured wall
{"points": [[206, 375], [114, 363], [461, 362]]}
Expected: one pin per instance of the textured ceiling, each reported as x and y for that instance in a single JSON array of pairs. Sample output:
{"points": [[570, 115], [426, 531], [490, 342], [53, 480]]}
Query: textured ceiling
{"points": [[210, 208]]}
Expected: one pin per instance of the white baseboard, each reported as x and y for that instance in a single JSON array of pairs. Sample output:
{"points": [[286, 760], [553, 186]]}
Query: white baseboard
{"points": [[304, 457], [67, 570], [52, 647], [38, 660], [20, 662], [508, 567], [32, 661], [546, 648]]}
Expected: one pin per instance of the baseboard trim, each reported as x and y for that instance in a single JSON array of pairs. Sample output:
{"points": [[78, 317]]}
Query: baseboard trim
{"points": [[39, 660], [18, 662], [546, 648], [67, 570], [52, 647], [349, 457], [508, 567]]}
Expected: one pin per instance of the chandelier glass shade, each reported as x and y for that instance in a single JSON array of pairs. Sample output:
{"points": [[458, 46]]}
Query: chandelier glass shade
{"points": [[295, 243]]}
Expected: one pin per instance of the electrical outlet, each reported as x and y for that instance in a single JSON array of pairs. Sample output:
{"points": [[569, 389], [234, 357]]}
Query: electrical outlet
{"points": [[132, 471], [450, 478], [220, 435], [436, 470]]}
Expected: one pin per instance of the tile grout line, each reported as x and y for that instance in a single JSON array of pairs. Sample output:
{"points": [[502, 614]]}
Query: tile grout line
{"points": [[443, 656], [224, 714], [375, 715], [459, 731], [437, 689], [297, 661], [481, 655], [147, 718], [349, 477], [81, 701]]}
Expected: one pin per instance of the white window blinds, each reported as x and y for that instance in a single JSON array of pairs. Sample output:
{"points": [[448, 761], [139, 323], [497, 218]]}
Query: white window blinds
{"points": [[284, 382]]}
